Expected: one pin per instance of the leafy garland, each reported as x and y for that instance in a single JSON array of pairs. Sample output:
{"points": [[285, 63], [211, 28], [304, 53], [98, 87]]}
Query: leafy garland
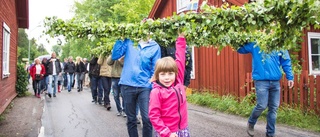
{"points": [[273, 24]]}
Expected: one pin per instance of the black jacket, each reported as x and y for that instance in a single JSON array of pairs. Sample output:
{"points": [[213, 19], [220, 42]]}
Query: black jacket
{"points": [[49, 66], [70, 68], [45, 67], [94, 67], [80, 67], [171, 51]]}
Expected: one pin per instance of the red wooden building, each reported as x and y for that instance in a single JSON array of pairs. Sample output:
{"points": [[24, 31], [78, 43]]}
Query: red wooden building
{"points": [[14, 14], [228, 73]]}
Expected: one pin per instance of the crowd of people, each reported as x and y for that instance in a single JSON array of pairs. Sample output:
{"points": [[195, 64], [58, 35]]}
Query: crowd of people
{"points": [[153, 79], [52, 75]]}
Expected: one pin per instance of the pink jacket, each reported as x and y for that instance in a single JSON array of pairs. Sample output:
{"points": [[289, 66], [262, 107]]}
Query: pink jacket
{"points": [[168, 106]]}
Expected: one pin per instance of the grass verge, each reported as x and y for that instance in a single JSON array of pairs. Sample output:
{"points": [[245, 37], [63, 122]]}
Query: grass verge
{"points": [[288, 115], [3, 115]]}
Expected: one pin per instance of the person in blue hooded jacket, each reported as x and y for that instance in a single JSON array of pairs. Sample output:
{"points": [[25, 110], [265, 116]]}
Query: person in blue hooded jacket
{"points": [[266, 74], [139, 64]]}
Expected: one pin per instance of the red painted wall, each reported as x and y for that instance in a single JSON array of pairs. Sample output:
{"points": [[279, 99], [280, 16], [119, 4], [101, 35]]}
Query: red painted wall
{"points": [[8, 14], [224, 73]]}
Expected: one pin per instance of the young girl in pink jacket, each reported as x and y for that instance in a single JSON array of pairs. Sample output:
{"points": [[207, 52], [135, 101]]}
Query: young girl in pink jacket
{"points": [[168, 105]]}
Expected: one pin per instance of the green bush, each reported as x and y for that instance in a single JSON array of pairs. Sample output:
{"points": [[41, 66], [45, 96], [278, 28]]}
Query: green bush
{"points": [[288, 115], [22, 80]]}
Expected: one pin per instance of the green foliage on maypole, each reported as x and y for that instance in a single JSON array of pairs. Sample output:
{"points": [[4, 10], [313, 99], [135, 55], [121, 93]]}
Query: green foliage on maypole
{"points": [[273, 24]]}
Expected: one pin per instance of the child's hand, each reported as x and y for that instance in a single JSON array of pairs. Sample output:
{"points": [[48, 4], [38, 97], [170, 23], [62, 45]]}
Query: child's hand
{"points": [[173, 135]]}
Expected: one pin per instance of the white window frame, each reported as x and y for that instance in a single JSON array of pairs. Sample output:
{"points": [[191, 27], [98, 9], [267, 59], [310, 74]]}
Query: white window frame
{"points": [[310, 36], [193, 74], [6, 51], [182, 5]]}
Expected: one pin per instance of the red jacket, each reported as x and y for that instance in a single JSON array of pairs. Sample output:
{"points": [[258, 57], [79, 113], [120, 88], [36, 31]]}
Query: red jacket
{"points": [[33, 71], [168, 105]]}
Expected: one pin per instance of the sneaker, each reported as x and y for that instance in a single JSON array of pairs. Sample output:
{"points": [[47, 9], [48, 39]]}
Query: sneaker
{"points": [[49, 95], [38, 95], [54, 95], [250, 130], [119, 113], [124, 114]]}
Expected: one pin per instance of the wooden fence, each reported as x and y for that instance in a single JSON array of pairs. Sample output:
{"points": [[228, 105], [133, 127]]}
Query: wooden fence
{"points": [[305, 93]]}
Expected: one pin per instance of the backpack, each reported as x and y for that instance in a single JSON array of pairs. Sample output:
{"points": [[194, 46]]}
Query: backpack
{"points": [[94, 70]]}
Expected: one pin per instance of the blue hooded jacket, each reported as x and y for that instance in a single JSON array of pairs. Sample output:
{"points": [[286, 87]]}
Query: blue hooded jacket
{"points": [[139, 62], [267, 66]]}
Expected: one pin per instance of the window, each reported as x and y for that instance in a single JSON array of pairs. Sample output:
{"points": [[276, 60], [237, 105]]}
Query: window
{"points": [[187, 5], [314, 53], [6, 51]]}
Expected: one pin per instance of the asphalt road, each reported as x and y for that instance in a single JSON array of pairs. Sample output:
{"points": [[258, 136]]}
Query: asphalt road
{"points": [[74, 115]]}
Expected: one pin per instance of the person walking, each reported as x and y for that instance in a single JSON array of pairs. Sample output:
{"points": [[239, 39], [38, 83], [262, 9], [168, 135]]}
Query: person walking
{"points": [[94, 74], [80, 71], [44, 81], [86, 80], [115, 78], [266, 74], [139, 63], [65, 78], [70, 70], [168, 110], [37, 72], [54, 68], [105, 79]]}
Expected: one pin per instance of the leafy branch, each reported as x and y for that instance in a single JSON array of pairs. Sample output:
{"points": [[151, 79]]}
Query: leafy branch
{"points": [[273, 24]]}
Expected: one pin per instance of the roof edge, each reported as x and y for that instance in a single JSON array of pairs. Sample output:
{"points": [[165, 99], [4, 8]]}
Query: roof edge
{"points": [[155, 8]]}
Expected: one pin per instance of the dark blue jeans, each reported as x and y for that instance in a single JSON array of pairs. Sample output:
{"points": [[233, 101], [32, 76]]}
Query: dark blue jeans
{"points": [[65, 80], [36, 86], [132, 95], [94, 87], [268, 95], [70, 77], [44, 83], [116, 93], [106, 84]]}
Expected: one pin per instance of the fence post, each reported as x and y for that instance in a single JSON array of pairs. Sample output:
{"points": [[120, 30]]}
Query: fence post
{"points": [[311, 87], [318, 94], [296, 86]]}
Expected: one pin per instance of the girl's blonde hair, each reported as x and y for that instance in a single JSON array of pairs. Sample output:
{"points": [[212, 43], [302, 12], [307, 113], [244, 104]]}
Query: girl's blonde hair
{"points": [[166, 64], [78, 59], [37, 59]]}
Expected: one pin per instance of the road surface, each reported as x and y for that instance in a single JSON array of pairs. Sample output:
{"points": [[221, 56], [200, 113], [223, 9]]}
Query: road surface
{"points": [[74, 115]]}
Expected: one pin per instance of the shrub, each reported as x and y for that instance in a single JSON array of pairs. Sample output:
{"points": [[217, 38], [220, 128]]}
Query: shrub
{"points": [[22, 80]]}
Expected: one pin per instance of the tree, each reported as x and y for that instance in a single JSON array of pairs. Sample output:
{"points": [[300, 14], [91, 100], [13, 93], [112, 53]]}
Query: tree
{"points": [[56, 49], [274, 25], [132, 10], [94, 9], [23, 47]]}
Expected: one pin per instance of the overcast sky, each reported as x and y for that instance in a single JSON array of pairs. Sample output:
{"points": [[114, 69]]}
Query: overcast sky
{"points": [[39, 9]]}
